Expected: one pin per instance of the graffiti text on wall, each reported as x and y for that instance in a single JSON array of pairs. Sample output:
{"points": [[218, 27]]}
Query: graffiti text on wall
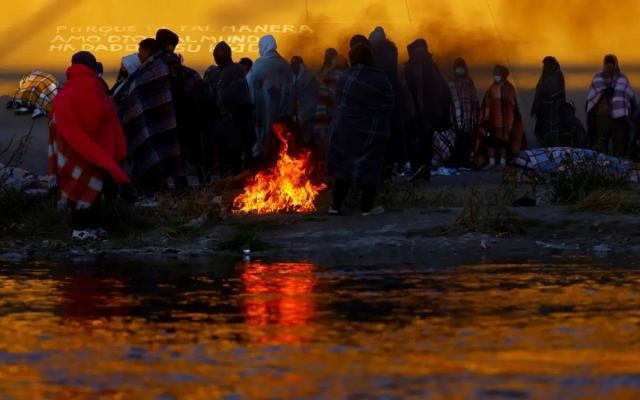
{"points": [[193, 39]]}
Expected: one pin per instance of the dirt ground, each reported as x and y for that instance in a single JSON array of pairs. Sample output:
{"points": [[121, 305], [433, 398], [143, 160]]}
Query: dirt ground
{"points": [[411, 235]]}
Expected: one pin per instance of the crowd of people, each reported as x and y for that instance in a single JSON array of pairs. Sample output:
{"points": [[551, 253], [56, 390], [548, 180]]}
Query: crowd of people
{"points": [[365, 114]]}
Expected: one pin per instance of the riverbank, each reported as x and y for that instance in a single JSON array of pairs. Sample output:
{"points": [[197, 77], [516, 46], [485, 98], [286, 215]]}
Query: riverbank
{"points": [[407, 235]]}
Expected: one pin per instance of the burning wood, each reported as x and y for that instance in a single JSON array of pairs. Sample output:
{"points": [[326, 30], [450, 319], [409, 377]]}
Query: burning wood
{"points": [[287, 187]]}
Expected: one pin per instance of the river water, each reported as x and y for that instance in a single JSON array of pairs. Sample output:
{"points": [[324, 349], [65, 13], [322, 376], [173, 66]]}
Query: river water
{"points": [[563, 328]]}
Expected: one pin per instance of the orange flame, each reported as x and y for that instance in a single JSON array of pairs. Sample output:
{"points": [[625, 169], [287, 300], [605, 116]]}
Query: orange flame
{"points": [[285, 188]]}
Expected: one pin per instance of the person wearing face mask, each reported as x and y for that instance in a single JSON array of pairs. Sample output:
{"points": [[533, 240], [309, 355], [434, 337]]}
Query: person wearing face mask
{"points": [[464, 114], [270, 84], [499, 122], [611, 108], [231, 119], [333, 67], [549, 104]]}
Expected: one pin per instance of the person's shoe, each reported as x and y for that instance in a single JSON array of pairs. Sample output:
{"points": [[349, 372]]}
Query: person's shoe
{"points": [[84, 235], [374, 211], [147, 203], [333, 212]]}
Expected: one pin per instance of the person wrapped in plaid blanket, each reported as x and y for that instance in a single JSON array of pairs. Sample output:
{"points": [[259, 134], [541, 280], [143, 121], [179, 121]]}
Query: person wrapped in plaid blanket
{"points": [[189, 97], [499, 123], [149, 123], [549, 104], [35, 94], [84, 147], [611, 109], [360, 130], [464, 115]]}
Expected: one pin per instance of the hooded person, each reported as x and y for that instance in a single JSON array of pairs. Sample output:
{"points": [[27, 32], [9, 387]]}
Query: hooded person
{"points": [[574, 135], [385, 53], [611, 108], [360, 130], [270, 84], [464, 114], [333, 67], [167, 40], [84, 147], [231, 119], [432, 99], [549, 104], [188, 98], [128, 66], [148, 119], [359, 39], [499, 122], [305, 92], [100, 72]]}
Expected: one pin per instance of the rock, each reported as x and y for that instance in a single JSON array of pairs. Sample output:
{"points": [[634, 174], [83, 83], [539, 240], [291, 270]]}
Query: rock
{"points": [[108, 245], [12, 256], [195, 223], [602, 249]]}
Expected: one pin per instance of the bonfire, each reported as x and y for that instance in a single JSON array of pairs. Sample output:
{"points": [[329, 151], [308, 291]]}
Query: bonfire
{"points": [[287, 187]]}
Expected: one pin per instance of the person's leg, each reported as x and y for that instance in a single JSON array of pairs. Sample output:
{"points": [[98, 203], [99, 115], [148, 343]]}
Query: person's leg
{"points": [[619, 137], [94, 215], [78, 219], [426, 157], [502, 146], [600, 138], [368, 197], [491, 145], [340, 192]]}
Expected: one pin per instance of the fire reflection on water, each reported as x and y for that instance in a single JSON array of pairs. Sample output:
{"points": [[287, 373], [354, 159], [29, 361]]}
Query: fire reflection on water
{"points": [[291, 330], [279, 295]]}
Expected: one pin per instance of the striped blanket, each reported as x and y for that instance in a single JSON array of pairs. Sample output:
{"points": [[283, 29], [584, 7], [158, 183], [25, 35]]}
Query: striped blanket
{"points": [[80, 181], [36, 93], [540, 162], [149, 121], [622, 102]]}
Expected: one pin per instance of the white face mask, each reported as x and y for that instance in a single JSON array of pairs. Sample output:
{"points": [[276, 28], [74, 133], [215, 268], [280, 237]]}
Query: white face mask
{"points": [[460, 71], [497, 78]]}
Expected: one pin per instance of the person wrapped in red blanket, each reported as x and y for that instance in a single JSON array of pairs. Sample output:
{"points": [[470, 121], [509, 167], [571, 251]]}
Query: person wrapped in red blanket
{"points": [[86, 143]]}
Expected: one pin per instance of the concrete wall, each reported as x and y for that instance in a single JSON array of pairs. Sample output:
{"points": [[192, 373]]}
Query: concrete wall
{"points": [[43, 34]]}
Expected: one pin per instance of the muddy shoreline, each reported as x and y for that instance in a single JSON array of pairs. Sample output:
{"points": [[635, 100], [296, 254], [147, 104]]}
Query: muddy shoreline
{"points": [[407, 236]]}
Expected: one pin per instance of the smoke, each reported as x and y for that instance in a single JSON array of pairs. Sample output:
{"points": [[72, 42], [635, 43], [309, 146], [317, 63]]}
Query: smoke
{"points": [[483, 32]]}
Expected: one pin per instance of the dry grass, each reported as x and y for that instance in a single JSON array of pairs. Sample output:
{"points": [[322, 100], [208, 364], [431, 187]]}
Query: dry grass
{"points": [[485, 211], [607, 201]]}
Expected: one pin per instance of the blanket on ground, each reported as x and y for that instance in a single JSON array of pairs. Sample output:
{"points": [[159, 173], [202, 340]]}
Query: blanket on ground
{"points": [[542, 161], [36, 92]]}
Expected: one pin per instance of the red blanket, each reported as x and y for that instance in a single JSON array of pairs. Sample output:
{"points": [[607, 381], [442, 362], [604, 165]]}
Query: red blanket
{"points": [[85, 137]]}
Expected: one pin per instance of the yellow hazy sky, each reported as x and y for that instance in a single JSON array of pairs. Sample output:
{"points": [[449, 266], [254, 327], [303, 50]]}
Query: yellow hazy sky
{"points": [[43, 34]]}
